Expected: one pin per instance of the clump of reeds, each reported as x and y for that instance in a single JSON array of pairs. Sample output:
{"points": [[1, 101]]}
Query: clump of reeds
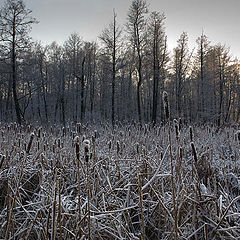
{"points": [[207, 203]]}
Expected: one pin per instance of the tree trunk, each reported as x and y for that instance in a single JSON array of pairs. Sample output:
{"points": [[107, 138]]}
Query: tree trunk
{"points": [[82, 90], [14, 75], [113, 69]]}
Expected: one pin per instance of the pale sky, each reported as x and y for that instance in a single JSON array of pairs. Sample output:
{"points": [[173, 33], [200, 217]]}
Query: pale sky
{"points": [[219, 19]]}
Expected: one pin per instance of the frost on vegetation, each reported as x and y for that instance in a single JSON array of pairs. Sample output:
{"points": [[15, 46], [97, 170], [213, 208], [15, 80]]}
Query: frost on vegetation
{"points": [[44, 182]]}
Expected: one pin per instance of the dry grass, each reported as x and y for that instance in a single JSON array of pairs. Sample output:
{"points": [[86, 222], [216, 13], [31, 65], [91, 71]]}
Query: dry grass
{"points": [[124, 191]]}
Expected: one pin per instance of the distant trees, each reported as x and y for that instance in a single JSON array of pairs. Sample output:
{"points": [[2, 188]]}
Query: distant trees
{"points": [[15, 24], [120, 78]]}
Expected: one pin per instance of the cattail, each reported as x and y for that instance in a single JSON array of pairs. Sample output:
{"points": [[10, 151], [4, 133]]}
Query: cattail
{"points": [[30, 142], [118, 147], [95, 134], [2, 158], [180, 153], [93, 139], [53, 148], [19, 142], [180, 124], [194, 152], [176, 125], [166, 104], [63, 131], [109, 145], [39, 132], [145, 129], [59, 143], [161, 155], [138, 150], [51, 129], [78, 128], [191, 133], [86, 144], [77, 146]]}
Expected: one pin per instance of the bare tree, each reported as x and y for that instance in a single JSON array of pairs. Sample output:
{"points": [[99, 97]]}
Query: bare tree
{"points": [[111, 39], [74, 55], [181, 60], [158, 42], [201, 60], [15, 24], [137, 29], [223, 59]]}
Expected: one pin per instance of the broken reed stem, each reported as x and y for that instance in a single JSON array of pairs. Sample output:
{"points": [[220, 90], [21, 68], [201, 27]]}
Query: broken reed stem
{"points": [[167, 113], [194, 152], [86, 151], [8, 213], [88, 208], [53, 235], [79, 200], [143, 235], [117, 161], [141, 205], [48, 222], [178, 160], [59, 209], [77, 149]]}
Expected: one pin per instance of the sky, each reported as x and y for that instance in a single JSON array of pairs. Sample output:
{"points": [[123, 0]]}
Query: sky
{"points": [[218, 19]]}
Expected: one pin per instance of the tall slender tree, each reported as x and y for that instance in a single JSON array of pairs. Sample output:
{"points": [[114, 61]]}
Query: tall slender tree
{"points": [[203, 47], [180, 69], [137, 29], [15, 25], [158, 41], [111, 39]]}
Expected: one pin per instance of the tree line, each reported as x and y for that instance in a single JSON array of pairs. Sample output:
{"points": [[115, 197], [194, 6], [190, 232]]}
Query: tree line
{"points": [[119, 77]]}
